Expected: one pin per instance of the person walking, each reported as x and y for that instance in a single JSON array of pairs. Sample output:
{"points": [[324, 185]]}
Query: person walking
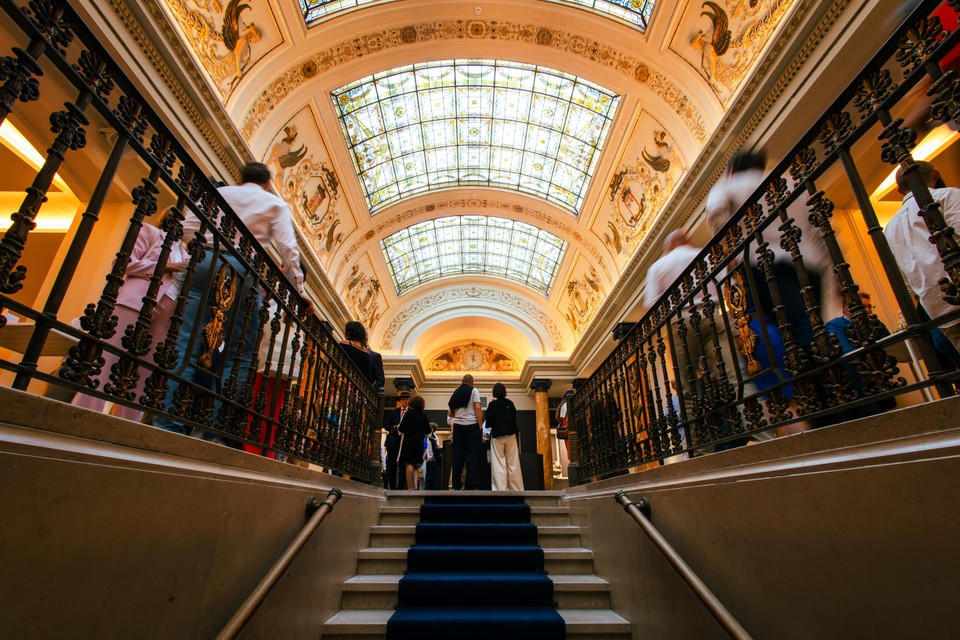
{"points": [[413, 428], [267, 217], [466, 416], [504, 448]]}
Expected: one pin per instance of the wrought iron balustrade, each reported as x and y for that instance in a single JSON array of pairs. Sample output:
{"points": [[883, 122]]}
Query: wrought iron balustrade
{"points": [[720, 357], [298, 395]]}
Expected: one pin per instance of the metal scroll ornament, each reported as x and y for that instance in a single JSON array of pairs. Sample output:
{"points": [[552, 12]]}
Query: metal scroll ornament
{"points": [[747, 340], [224, 291]]}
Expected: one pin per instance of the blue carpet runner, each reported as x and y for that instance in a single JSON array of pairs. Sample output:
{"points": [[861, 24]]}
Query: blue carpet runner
{"points": [[475, 572]]}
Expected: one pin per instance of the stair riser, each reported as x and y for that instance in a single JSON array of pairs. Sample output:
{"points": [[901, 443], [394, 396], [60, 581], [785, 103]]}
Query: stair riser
{"points": [[416, 501], [387, 599], [547, 541], [539, 519], [330, 632], [393, 566]]}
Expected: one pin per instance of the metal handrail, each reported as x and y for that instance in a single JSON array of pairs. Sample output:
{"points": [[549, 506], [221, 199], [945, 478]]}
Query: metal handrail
{"points": [[256, 597], [640, 513]]}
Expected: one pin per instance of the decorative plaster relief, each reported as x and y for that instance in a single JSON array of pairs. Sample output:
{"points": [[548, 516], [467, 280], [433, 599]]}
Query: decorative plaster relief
{"points": [[304, 178], [474, 206], [582, 297], [472, 357], [378, 41], [363, 295], [723, 39], [229, 40], [639, 190], [494, 297]]}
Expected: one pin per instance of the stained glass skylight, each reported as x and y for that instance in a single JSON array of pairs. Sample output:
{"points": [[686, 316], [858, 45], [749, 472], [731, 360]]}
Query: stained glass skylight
{"points": [[469, 244], [490, 123], [316, 9], [634, 12]]}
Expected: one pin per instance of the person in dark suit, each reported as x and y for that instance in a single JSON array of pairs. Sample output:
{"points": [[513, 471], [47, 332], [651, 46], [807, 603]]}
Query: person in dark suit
{"points": [[376, 370], [392, 442], [414, 426]]}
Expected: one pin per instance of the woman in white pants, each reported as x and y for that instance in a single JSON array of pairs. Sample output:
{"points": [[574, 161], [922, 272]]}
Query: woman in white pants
{"points": [[505, 450]]}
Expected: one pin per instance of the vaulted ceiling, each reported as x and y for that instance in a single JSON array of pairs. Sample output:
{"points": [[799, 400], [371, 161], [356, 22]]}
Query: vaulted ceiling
{"points": [[475, 171]]}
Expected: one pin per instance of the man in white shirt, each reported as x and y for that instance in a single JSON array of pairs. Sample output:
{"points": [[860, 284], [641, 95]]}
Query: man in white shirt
{"points": [[909, 239], [269, 220], [466, 416]]}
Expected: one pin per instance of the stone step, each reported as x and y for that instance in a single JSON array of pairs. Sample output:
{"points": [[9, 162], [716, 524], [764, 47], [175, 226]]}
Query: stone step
{"points": [[540, 516], [393, 560], [367, 624], [532, 498], [399, 535], [569, 591]]}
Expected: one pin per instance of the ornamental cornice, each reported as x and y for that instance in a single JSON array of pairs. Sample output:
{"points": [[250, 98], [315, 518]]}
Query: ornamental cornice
{"points": [[374, 42], [444, 207], [496, 297], [198, 82]]}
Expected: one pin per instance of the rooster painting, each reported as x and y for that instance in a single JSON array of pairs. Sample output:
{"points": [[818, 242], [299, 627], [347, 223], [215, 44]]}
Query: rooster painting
{"points": [[719, 42]]}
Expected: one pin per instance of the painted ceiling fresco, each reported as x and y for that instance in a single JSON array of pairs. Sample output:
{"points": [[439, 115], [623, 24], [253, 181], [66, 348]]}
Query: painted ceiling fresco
{"points": [[435, 154]]}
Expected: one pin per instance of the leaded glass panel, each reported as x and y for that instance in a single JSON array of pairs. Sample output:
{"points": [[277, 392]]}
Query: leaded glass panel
{"points": [[475, 122], [473, 245]]}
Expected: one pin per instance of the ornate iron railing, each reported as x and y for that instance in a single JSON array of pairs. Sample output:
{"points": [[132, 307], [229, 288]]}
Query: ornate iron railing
{"points": [[734, 296], [219, 382]]}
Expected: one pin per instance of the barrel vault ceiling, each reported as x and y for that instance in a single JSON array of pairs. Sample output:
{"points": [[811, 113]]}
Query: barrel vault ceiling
{"points": [[473, 177]]}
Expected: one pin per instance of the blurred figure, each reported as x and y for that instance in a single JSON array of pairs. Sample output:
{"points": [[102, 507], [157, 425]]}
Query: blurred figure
{"points": [[504, 449], [563, 423], [840, 327], [143, 262], [745, 174], [434, 457]]}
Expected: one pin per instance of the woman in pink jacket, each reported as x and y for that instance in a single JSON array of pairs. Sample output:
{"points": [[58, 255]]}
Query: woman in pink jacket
{"points": [[143, 260]]}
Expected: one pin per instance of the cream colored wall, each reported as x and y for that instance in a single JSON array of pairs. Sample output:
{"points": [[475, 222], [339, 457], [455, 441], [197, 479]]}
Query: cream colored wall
{"points": [[118, 530], [842, 533]]}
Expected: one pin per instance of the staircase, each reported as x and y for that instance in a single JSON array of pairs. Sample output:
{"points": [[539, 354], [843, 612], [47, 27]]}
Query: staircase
{"points": [[369, 598]]}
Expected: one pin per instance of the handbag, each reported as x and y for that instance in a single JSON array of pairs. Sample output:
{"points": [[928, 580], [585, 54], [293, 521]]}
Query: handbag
{"points": [[563, 431]]}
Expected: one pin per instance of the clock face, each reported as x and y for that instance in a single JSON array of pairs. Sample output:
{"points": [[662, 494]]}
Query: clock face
{"points": [[472, 359]]}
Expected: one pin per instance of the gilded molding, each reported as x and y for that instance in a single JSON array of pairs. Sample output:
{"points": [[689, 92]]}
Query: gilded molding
{"points": [[133, 27], [495, 297], [386, 39], [477, 203]]}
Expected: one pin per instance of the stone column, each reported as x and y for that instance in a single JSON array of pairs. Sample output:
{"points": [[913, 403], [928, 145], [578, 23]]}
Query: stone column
{"points": [[403, 384], [540, 388]]}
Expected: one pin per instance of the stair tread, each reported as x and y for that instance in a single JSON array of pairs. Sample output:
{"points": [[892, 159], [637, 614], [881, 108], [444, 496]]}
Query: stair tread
{"points": [[572, 582], [411, 528], [548, 553], [374, 620]]}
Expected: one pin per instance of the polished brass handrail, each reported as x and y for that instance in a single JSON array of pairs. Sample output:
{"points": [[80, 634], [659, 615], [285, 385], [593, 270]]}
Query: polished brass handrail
{"points": [[640, 513], [256, 597]]}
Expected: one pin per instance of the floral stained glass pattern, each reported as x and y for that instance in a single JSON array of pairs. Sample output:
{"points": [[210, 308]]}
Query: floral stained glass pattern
{"points": [[469, 244], [634, 12], [316, 9], [475, 123]]}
